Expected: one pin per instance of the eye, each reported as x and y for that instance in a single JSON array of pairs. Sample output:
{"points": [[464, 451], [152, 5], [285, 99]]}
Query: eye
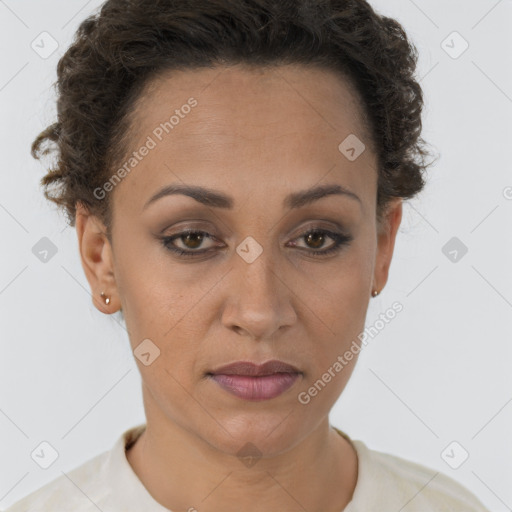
{"points": [[192, 239], [316, 238]]}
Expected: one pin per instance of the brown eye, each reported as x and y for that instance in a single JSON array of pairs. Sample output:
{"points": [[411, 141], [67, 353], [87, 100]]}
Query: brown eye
{"points": [[316, 238], [190, 240]]}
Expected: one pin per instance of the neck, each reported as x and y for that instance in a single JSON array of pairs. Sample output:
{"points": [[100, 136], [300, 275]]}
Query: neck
{"points": [[182, 471]]}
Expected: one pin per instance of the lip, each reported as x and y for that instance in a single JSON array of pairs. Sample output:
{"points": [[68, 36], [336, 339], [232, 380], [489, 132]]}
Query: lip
{"points": [[255, 370], [254, 382]]}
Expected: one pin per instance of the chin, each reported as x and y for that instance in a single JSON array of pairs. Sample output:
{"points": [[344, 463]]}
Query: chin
{"points": [[265, 434]]}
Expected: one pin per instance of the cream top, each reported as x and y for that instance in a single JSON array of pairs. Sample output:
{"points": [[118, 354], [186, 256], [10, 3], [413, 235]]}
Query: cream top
{"points": [[385, 482]]}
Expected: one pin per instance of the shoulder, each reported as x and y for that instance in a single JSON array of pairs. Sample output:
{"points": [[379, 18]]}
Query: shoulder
{"points": [[75, 490], [406, 485], [104, 482]]}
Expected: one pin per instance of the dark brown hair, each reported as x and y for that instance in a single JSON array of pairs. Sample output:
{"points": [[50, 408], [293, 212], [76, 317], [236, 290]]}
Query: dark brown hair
{"points": [[117, 51]]}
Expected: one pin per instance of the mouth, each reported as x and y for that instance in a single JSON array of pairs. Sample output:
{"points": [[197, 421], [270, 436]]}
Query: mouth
{"points": [[253, 382]]}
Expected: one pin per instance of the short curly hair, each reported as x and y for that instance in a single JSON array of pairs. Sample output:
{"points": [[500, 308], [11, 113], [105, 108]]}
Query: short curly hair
{"points": [[117, 51]]}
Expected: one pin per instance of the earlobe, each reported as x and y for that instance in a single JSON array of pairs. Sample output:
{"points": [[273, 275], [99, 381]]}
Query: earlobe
{"points": [[96, 258]]}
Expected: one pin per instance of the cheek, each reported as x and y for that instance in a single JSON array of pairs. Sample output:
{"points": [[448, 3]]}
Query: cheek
{"points": [[167, 368], [150, 296], [166, 390], [337, 306], [320, 392], [337, 295]]}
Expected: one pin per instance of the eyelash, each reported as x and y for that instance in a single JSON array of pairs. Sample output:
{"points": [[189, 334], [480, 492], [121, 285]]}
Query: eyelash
{"points": [[339, 239]]}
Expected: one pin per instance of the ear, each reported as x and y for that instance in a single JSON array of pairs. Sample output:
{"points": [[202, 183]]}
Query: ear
{"points": [[386, 236], [97, 261]]}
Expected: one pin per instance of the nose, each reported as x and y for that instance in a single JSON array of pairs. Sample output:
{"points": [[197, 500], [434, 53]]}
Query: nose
{"points": [[260, 300]]}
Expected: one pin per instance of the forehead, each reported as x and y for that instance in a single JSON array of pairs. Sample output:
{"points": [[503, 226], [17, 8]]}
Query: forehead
{"points": [[272, 125], [241, 96]]}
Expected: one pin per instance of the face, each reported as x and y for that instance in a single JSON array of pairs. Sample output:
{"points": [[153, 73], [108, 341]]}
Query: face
{"points": [[267, 270]]}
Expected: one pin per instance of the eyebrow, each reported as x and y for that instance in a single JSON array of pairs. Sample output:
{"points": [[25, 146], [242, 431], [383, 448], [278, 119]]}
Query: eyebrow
{"points": [[217, 199]]}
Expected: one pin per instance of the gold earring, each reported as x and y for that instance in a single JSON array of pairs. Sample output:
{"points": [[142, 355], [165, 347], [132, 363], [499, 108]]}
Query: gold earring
{"points": [[105, 298], [375, 293]]}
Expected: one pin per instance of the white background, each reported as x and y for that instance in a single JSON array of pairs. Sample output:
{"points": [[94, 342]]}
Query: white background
{"points": [[437, 373]]}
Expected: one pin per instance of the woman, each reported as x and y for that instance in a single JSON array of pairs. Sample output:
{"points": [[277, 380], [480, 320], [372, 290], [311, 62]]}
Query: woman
{"points": [[235, 171]]}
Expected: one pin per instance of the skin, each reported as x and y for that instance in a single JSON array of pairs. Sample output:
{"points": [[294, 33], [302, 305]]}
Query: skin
{"points": [[256, 135]]}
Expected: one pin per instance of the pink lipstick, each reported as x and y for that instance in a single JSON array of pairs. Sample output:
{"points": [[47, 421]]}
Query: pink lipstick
{"points": [[253, 382]]}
